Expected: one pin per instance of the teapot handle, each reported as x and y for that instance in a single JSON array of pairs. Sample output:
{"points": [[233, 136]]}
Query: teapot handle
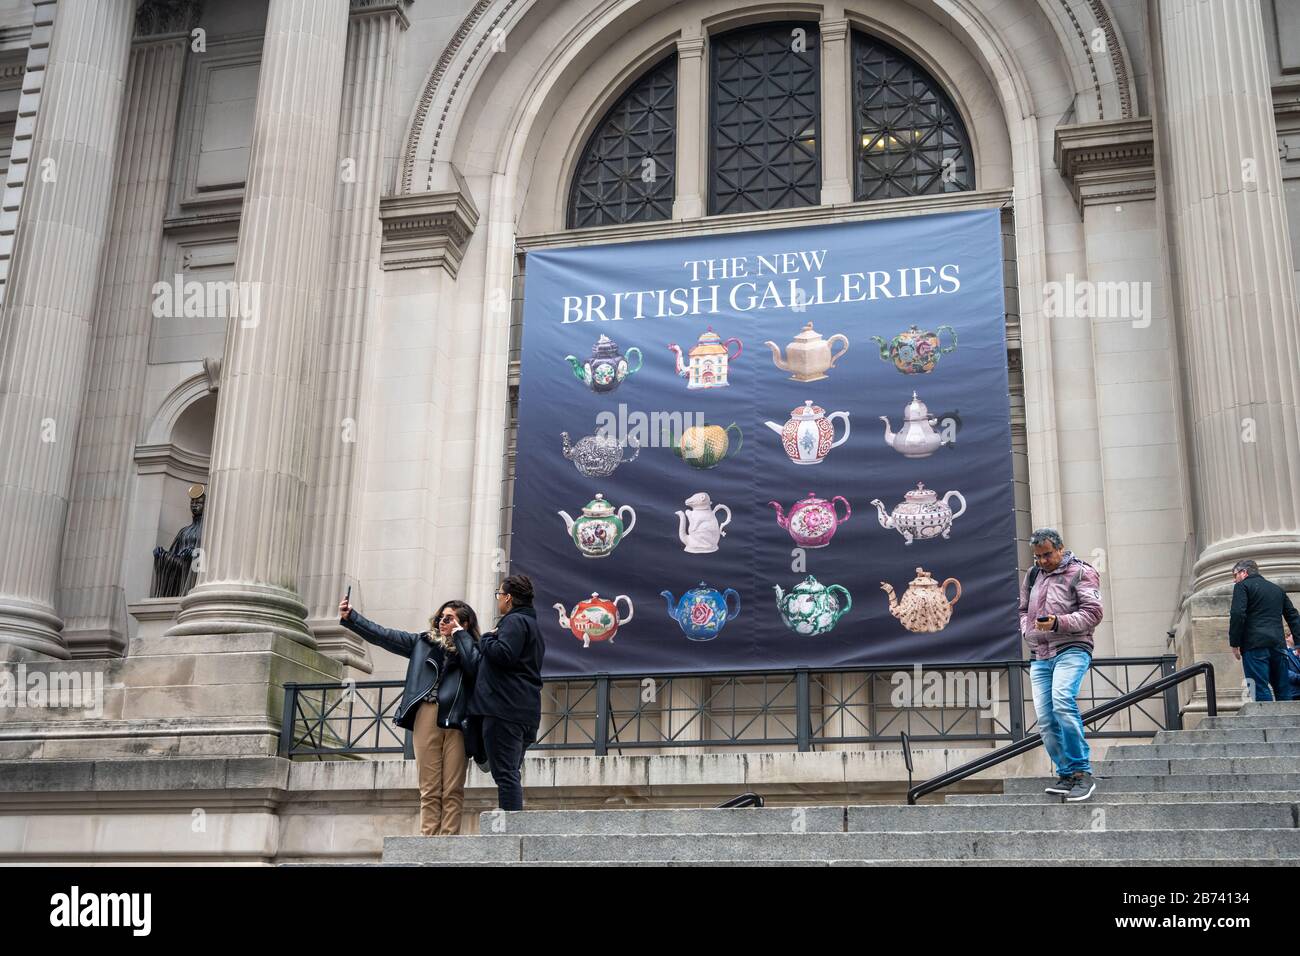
{"points": [[845, 437], [623, 620], [848, 600], [725, 523], [739, 435], [636, 449], [848, 512], [835, 356], [739, 348], [731, 615], [628, 355], [958, 495], [944, 588], [950, 348], [630, 524]]}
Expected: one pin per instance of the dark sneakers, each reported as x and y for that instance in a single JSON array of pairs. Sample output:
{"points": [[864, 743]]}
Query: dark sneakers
{"points": [[1064, 783], [1082, 789]]}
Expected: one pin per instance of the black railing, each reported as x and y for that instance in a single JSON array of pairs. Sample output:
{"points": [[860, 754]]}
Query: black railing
{"points": [[1165, 686], [800, 710]]}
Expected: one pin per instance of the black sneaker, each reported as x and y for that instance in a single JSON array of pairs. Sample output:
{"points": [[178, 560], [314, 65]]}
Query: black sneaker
{"points": [[1063, 785], [1083, 787]]}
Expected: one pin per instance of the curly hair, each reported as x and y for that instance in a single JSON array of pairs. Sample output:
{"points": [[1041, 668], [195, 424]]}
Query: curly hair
{"points": [[464, 613]]}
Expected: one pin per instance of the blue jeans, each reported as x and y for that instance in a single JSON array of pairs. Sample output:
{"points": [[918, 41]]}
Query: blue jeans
{"points": [[1264, 666], [1056, 685]]}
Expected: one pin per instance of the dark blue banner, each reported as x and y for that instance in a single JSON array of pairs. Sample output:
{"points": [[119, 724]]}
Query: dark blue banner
{"points": [[736, 451]]}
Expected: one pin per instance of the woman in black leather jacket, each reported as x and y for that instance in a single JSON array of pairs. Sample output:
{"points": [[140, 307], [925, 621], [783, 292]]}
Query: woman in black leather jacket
{"points": [[443, 662]]}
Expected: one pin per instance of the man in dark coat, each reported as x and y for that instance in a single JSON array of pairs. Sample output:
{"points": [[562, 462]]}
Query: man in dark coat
{"points": [[1255, 631], [508, 693]]}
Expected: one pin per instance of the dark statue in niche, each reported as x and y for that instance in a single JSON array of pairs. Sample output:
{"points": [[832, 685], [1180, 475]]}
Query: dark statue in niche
{"points": [[173, 568]]}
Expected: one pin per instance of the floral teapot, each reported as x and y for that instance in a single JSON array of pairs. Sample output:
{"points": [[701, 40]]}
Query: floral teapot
{"points": [[708, 360], [596, 456], [915, 352], [703, 611], [922, 514], [595, 619], [809, 356], [811, 608], [606, 368], [925, 606], [599, 529], [698, 529], [706, 446], [917, 437], [812, 521], [809, 434]]}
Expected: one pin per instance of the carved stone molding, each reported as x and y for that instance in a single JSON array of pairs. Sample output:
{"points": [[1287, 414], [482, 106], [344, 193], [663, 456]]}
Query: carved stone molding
{"points": [[1108, 161], [422, 230], [358, 8], [161, 17]]}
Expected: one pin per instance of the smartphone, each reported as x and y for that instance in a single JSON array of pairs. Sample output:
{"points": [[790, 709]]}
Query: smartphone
{"points": [[1043, 620], [348, 597]]}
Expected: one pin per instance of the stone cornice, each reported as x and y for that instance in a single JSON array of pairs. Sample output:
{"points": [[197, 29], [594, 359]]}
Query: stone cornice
{"points": [[171, 460], [155, 18], [1108, 161], [427, 229]]}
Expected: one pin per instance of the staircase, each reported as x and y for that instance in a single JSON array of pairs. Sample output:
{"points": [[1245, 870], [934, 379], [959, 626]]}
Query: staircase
{"points": [[1227, 793]]}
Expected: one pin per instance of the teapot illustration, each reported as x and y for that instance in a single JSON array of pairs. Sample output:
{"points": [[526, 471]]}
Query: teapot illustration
{"points": [[809, 356], [917, 437], [703, 611], [698, 529], [705, 446], [925, 606], [707, 360], [810, 608], [595, 619], [812, 521], [915, 352], [596, 456], [921, 514], [606, 368], [807, 436], [599, 529]]}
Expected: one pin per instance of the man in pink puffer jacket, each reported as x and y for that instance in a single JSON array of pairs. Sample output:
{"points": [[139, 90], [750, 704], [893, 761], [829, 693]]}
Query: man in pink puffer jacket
{"points": [[1060, 607]]}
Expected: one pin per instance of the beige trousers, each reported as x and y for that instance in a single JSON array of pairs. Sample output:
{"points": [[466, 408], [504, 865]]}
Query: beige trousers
{"points": [[442, 765]]}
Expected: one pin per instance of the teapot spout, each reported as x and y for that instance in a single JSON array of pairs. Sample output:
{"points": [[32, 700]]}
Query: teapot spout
{"points": [[680, 368], [889, 432], [681, 528], [568, 522], [780, 594], [886, 521], [893, 601], [568, 449], [779, 429], [884, 347], [564, 617], [777, 360], [579, 370], [672, 603], [781, 518]]}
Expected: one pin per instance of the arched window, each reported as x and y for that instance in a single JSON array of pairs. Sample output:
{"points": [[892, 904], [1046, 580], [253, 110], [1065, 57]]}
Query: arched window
{"points": [[625, 173], [764, 114], [908, 137]]}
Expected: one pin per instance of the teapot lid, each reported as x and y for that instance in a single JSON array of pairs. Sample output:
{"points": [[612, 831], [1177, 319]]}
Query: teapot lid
{"points": [[710, 343], [920, 495], [808, 334], [595, 599], [604, 347], [808, 411], [811, 499], [916, 410], [923, 579], [702, 588], [809, 585], [598, 507]]}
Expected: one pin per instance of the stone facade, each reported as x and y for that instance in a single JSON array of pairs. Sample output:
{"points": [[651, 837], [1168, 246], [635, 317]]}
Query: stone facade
{"points": [[367, 174]]}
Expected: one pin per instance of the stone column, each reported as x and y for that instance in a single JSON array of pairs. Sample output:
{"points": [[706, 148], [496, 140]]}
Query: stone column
{"points": [[692, 128], [1240, 329], [254, 522], [837, 121], [46, 319], [91, 599], [341, 423]]}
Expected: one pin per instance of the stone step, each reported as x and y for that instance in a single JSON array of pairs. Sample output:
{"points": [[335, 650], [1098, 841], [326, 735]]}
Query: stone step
{"points": [[1284, 735], [1197, 765], [1253, 708], [1163, 751], [1108, 797], [1261, 722], [1164, 782], [802, 863], [648, 820], [1072, 816], [1060, 845]]}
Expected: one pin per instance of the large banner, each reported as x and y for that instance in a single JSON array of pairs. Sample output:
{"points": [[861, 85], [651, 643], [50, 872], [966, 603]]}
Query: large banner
{"points": [[769, 449]]}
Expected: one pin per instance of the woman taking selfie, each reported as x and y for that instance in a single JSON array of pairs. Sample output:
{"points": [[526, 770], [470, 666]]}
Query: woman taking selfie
{"points": [[443, 662]]}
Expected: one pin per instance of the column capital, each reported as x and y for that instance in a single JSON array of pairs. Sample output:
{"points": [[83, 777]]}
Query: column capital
{"points": [[1108, 161], [364, 8], [834, 31], [691, 47], [428, 229], [154, 18]]}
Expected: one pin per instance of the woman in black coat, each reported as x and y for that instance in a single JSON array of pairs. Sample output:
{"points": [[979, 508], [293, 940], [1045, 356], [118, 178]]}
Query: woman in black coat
{"points": [[440, 678]]}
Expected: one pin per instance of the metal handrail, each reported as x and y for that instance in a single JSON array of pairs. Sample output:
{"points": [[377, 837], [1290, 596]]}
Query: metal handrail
{"points": [[995, 757]]}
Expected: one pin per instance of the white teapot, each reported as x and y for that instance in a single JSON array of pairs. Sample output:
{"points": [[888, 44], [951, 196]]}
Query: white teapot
{"points": [[698, 529]]}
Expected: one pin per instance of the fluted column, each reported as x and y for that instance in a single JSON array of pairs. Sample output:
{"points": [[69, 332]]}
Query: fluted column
{"points": [[838, 149], [48, 310], [92, 600], [341, 427], [692, 128], [254, 520], [1240, 324]]}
